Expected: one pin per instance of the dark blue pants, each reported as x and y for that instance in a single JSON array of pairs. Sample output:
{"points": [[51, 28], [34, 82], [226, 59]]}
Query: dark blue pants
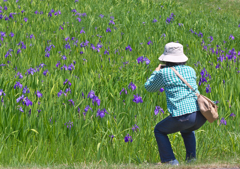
{"points": [[186, 124]]}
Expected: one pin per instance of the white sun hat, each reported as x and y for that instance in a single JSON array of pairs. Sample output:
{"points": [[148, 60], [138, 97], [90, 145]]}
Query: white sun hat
{"points": [[173, 52]]}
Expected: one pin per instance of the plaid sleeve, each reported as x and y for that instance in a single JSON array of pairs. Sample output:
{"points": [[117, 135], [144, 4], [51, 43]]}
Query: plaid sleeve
{"points": [[155, 82]]}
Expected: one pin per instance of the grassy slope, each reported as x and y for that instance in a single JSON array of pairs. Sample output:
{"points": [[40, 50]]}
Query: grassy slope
{"points": [[230, 9]]}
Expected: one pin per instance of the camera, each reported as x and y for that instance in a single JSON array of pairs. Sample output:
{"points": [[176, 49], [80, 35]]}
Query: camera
{"points": [[163, 66]]}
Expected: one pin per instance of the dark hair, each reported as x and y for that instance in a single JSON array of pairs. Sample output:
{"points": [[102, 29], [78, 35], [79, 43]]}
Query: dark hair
{"points": [[174, 64]]}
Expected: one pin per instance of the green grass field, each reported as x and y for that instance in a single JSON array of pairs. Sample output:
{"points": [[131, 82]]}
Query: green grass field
{"points": [[58, 40]]}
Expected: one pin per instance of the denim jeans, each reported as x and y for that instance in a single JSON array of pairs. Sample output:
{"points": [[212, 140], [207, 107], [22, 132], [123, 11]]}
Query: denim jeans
{"points": [[186, 124]]}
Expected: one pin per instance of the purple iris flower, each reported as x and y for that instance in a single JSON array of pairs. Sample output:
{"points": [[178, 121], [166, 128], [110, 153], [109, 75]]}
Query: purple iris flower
{"points": [[42, 65], [60, 93], [83, 95], [71, 101], [128, 48], [217, 66], [27, 102], [97, 100], [200, 34], [108, 30], [39, 94], [50, 14], [25, 19], [18, 51], [140, 59], [71, 67], [128, 138], [81, 52], [18, 84], [100, 113], [123, 91], [82, 31], [58, 63], [112, 136], [211, 38], [64, 67], [132, 85], [208, 89], [150, 42], [135, 127], [20, 76], [67, 46], [25, 90], [64, 57], [65, 81], [87, 108], [68, 90], [67, 38], [137, 99], [2, 93], [47, 54], [154, 20], [147, 61], [106, 52], [170, 18], [11, 34], [79, 19], [232, 115], [157, 109], [45, 72], [20, 98], [91, 94], [231, 37], [223, 121], [101, 15], [20, 109], [111, 22]]}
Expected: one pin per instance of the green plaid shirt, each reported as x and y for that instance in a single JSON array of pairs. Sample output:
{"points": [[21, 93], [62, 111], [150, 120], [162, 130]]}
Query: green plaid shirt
{"points": [[180, 98]]}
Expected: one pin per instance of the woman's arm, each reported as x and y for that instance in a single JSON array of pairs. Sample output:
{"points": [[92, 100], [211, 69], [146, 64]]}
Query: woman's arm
{"points": [[155, 82]]}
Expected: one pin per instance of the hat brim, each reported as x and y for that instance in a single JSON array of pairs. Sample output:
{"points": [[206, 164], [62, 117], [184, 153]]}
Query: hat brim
{"points": [[173, 58]]}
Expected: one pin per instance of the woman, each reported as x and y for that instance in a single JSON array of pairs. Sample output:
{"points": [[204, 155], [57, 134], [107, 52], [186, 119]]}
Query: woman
{"points": [[181, 103]]}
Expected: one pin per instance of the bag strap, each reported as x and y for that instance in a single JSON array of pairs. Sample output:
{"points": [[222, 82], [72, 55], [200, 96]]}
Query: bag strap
{"points": [[183, 79], [191, 86]]}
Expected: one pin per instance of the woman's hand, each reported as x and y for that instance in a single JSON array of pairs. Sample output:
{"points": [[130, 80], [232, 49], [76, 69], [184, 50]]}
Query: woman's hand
{"points": [[158, 68]]}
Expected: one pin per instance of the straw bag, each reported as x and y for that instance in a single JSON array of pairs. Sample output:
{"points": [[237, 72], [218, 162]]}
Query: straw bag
{"points": [[207, 107]]}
